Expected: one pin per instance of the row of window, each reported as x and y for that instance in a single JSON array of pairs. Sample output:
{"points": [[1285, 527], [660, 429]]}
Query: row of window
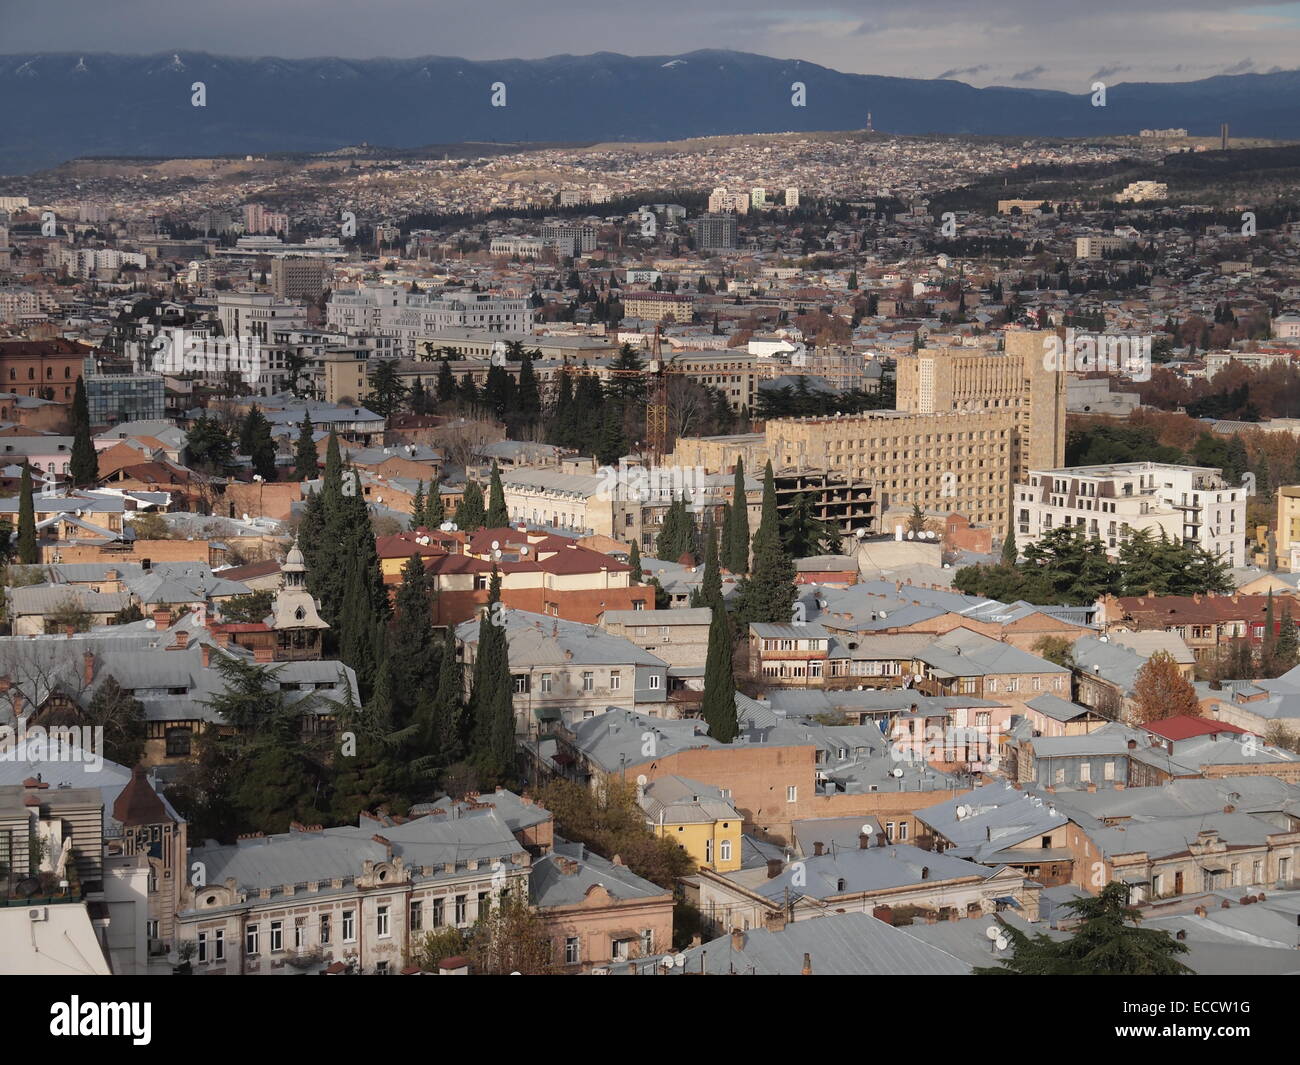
{"points": [[523, 682]]}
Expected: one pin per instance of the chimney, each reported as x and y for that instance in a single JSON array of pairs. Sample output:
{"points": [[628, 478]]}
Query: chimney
{"points": [[88, 668], [206, 651], [182, 641], [864, 841], [385, 843], [817, 849], [775, 921], [774, 867], [162, 617], [807, 965], [263, 654], [737, 940], [1132, 744], [883, 913]]}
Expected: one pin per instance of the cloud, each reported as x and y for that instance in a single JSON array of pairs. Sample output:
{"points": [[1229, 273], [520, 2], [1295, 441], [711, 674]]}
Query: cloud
{"points": [[1106, 72], [1030, 74], [1245, 66], [963, 72]]}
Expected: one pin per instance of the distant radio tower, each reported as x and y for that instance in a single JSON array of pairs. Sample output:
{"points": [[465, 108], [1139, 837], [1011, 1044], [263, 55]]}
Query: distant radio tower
{"points": [[1223, 136], [869, 129]]}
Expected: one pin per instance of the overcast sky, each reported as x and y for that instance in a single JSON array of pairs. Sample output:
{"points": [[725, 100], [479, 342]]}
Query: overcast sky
{"points": [[1057, 44]]}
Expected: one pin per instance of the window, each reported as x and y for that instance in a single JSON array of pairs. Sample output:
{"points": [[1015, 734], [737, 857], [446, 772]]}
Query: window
{"points": [[349, 926], [381, 922], [724, 850], [203, 947], [588, 681], [546, 684], [902, 830], [299, 933], [708, 851], [615, 680], [1108, 771], [178, 742], [461, 909], [571, 950], [439, 912], [654, 682], [324, 929], [416, 919], [277, 936], [521, 683], [889, 831], [647, 941], [219, 945], [792, 793], [1085, 772], [250, 940]]}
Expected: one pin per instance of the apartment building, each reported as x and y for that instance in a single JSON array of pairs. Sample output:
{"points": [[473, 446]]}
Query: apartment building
{"points": [[257, 314], [294, 278], [1188, 504], [409, 318], [1094, 247], [658, 306]]}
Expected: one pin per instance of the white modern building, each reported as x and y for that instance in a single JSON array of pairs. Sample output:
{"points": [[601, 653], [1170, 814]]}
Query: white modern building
{"points": [[407, 317], [1190, 504]]}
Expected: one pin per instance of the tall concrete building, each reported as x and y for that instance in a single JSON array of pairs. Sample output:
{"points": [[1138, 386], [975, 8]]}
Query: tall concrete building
{"points": [[298, 279], [716, 232], [974, 379]]}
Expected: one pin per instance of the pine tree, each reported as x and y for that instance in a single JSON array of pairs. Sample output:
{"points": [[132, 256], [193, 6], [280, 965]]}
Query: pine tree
{"points": [[84, 464], [719, 704], [497, 515], [304, 455], [28, 554], [735, 555], [255, 442], [470, 515], [768, 593]]}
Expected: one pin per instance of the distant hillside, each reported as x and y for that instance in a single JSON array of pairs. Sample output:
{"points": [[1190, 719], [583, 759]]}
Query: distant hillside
{"points": [[64, 105]]}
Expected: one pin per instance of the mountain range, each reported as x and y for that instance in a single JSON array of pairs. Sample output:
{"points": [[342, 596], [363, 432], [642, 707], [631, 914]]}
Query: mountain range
{"points": [[59, 106]]}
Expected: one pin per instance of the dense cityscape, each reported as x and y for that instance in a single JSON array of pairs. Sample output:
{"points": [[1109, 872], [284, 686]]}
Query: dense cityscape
{"points": [[840, 553]]}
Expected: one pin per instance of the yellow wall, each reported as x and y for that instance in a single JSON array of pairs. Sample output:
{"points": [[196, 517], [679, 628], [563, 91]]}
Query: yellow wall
{"points": [[693, 838]]}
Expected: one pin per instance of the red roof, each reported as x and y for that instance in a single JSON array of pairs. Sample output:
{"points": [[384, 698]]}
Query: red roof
{"points": [[1184, 727]]}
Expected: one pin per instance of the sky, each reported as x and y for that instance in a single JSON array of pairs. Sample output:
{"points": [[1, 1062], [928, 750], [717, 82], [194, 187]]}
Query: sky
{"points": [[1048, 44]]}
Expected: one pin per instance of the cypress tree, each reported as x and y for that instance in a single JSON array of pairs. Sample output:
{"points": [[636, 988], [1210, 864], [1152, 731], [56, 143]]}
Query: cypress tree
{"points": [[417, 508], [470, 515], [634, 560], [768, 593], [497, 515], [528, 399], [736, 548], [255, 442], [84, 464], [410, 641], [491, 701], [711, 585], [446, 383], [304, 454], [27, 552], [434, 513], [448, 708], [1009, 551], [719, 704]]}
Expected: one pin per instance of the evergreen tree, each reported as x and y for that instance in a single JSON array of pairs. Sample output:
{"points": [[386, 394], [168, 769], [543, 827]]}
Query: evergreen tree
{"points": [[470, 515], [446, 382], [634, 560], [806, 534], [410, 642], [497, 515], [1107, 942], [719, 704], [255, 442], [84, 464], [1288, 643], [711, 584], [768, 593], [491, 698], [417, 508], [434, 512], [304, 455], [528, 402], [448, 706], [28, 554], [1009, 551], [735, 555]]}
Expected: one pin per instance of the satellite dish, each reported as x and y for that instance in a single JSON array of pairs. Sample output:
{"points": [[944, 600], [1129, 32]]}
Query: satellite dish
{"points": [[1001, 943], [680, 961], [496, 545], [992, 931], [898, 772], [523, 550], [245, 518], [642, 781], [151, 624], [867, 829], [666, 961]]}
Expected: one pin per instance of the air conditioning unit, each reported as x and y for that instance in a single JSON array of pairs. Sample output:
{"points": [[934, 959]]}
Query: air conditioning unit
{"points": [[38, 913]]}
